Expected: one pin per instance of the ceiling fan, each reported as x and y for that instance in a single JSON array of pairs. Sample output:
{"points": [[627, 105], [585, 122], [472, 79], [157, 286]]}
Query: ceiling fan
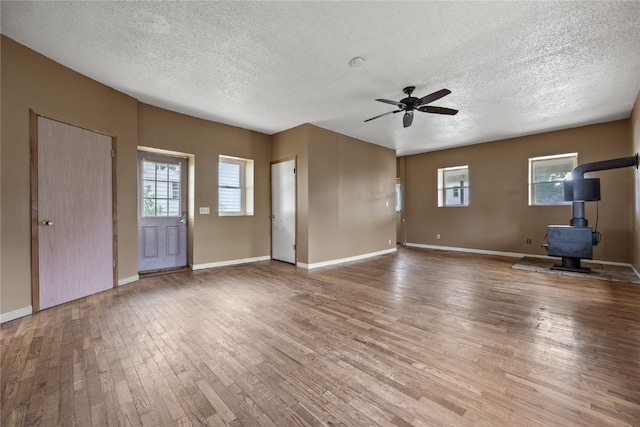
{"points": [[411, 104]]}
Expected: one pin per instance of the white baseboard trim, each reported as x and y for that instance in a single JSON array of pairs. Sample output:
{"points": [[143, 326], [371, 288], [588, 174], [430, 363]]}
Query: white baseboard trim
{"points": [[15, 314], [474, 251], [343, 260], [510, 254], [128, 280], [230, 262]]}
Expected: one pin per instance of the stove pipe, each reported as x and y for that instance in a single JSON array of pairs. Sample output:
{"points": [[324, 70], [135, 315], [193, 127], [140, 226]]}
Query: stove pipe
{"points": [[623, 162], [577, 207]]}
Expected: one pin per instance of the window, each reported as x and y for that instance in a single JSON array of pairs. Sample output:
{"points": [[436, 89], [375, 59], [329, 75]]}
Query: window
{"points": [[160, 189], [453, 186], [235, 186], [398, 196], [546, 178]]}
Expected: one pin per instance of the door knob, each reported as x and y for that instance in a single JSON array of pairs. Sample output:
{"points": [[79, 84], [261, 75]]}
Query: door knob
{"points": [[47, 222]]}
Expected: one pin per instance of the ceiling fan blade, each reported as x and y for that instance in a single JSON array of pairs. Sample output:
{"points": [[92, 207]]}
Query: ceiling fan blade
{"points": [[407, 119], [433, 96], [438, 110], [396, 103], [388, 112]]}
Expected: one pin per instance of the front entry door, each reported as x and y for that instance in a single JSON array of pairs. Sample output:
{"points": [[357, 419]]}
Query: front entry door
{"points": [[72, 212], [162, 207], [283, 211]]}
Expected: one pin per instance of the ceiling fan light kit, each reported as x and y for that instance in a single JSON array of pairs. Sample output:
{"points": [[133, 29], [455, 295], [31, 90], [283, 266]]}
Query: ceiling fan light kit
{"points": [[411, 104]]}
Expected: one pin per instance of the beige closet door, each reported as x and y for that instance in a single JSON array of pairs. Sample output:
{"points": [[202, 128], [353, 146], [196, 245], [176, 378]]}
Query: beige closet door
{"points": [[73, 213]]}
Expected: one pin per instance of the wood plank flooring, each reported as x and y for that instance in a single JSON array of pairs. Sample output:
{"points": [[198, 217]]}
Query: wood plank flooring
{"points": [[418, 338]]}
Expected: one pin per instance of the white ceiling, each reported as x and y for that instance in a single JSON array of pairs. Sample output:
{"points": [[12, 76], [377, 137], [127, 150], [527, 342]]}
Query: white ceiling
{"points": [[514, 68]]}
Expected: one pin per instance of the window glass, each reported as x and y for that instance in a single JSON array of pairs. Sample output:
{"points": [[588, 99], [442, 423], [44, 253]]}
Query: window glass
{"points": [[235, 186], [161, 189], [453, 186], [546, 178], [229, 189]]}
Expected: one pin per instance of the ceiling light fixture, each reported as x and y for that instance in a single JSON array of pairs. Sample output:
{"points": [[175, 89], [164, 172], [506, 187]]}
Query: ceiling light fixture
{"points": [[356, 62]]}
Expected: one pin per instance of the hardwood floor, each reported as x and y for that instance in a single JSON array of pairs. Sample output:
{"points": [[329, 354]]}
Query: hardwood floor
{"points": [[417, 338]]}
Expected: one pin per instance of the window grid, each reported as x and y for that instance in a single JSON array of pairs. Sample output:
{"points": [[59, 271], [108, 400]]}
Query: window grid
{"points": [[161, 189]]}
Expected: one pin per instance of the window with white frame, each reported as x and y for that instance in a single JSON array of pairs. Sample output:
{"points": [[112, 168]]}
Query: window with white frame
{"points": [[453, 186], [546, 178], [235, 186]]}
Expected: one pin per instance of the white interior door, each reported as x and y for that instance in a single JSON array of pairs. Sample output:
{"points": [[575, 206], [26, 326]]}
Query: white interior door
{"points": [[283, 211], [162, 201], [74, 213]]}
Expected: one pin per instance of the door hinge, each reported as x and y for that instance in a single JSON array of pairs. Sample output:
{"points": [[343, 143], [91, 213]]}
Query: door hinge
{"points": [[113, 263], [294, 246], [294, 170], [113, 153]]}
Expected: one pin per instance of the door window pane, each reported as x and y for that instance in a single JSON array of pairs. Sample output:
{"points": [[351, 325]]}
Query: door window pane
{"points": [[160, 189]]}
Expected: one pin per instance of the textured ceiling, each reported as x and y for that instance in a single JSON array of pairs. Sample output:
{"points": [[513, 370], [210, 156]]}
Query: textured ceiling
{"points": [[514, 68]]}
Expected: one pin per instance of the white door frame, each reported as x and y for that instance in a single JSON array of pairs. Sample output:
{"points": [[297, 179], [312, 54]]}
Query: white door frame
{"points": [[35, 220]]}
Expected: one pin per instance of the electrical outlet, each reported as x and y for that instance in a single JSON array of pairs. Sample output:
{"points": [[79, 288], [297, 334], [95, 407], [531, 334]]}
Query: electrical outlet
{"points": [[389, 241], [438, 236], [204, 211], [528, 241], [386, 203]]}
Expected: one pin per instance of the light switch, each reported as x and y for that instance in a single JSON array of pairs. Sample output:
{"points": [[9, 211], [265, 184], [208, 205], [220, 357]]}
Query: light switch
{"points": [[204, 211]]}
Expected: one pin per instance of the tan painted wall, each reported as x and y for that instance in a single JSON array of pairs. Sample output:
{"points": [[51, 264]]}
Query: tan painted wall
{"points": [[634, 125], [351, 179], [343, 184], [294, 143], [499, 217], [215, 238], [31, 81], [349, 183]]}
